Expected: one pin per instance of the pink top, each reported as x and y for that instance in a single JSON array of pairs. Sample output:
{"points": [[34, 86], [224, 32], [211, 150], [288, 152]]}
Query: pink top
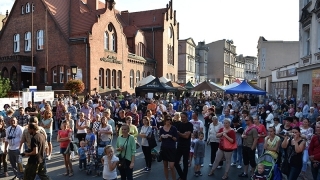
{"points": [[64, 134]]}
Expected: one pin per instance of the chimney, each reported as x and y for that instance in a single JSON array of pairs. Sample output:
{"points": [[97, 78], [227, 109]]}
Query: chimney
{"points": [[110, 4]]}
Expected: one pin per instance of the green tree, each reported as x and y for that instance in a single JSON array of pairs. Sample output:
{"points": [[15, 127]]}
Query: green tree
{"points": [[5, 86], [75, 86]]}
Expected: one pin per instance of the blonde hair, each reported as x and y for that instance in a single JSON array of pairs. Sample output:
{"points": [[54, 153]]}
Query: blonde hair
{"points": [[106, 148]]}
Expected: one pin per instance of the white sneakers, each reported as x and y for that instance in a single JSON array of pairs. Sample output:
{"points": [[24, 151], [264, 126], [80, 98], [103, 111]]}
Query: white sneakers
{"points": [[239, 166], [233, 164], [219, 167], [49, 157], [210, 165]]}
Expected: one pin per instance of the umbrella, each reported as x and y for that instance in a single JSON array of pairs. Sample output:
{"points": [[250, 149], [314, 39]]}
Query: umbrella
{"points": [[206, 86]]}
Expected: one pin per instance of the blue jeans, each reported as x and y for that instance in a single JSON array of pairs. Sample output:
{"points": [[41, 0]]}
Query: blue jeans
{"points": [[83, 163], [237, 155], [294, 173], [305, 159], [315, 172], [260, 149]]}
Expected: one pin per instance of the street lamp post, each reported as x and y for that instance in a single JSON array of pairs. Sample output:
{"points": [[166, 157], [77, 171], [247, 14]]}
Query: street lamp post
{"points": [[74, 70]]}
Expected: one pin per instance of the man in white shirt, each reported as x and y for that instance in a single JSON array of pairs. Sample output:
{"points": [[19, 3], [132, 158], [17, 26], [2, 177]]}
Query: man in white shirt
{"points": [[269, 119], [197, 124], [12, 143]]}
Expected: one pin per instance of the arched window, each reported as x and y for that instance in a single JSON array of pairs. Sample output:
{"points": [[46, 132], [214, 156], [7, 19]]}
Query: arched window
{"points": [[167, 76], [174, 78], [119, 79], [27, 8], [69, 77], [113, 42], [106, 41], [143, 74], [137, 76], [16, 43], [54, 76], [40, 40], [27, 41], [114, 79], [108, 77], [131, 78], [101, 79], [22, 9], [171, 76]]}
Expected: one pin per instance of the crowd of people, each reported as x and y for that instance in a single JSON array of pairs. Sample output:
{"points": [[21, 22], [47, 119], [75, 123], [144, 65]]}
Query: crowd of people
{"points": [[235, 127]]}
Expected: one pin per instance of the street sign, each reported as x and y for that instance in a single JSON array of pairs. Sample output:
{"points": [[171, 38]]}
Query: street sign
{"points": [[28, 69]]}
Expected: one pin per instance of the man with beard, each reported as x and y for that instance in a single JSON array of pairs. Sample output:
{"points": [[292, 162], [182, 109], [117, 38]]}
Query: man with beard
{"points": [[36, 161]]}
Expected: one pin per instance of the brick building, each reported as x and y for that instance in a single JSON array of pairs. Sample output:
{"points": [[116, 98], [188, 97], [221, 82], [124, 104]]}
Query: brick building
{"points": [[112, 49]]}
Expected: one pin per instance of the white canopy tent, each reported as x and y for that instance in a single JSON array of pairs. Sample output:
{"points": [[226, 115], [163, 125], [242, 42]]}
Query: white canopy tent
{"points": [[145, 80], [235, 84], [164, 80]]}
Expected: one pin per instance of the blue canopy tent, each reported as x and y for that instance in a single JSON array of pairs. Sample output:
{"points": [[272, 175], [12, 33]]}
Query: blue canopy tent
{"points": [[245, 88]]}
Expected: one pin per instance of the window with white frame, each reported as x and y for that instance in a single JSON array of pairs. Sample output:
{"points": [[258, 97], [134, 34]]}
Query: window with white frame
{"points": [[101, 72], [54, 76], [69, 77], [61, 74], [27, 41], [16, 43], [131, 78], [40, 40], [119, 74], [106, 41], [307, 43], [108, 74], [114, 78], [27, 8], [22, 9], [113, 42], [137, 76], [32, 7]]}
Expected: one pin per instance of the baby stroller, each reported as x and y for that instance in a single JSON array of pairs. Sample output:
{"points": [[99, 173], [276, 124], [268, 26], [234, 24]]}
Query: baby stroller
{"points": [[269, 163], [96, 165], [154, 154]]}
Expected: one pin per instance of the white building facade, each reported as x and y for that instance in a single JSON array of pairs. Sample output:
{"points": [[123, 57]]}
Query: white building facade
{"points": [[250, 69], [309, 62], [239, 67], [202, 62], [188, 62]]}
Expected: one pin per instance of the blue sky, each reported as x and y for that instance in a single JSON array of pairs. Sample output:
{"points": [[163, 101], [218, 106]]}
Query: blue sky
{"points": [[243, 21]]}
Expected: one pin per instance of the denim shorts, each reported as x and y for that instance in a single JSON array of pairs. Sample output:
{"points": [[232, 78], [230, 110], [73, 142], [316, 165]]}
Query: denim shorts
{"points": [[62, 150], [49, 137], [198, 160]]}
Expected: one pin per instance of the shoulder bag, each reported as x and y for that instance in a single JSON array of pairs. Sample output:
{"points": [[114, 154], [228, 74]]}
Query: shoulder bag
{"points": [[122, 159], [151, 139], [227, 145]]}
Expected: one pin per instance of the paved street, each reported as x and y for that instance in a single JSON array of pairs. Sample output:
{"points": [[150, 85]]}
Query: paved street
{"points": [[56, 168]]}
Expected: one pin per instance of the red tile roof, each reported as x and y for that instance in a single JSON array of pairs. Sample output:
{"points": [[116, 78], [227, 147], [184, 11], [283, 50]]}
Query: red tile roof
{"points": [[147, 18]]}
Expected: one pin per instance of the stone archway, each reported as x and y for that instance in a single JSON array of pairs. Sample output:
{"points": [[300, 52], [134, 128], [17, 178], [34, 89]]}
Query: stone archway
{"points": [[14, 79]]}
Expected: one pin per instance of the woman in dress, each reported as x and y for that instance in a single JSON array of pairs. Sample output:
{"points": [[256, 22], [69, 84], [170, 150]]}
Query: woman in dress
{"points": [[64, 138], [306, 134], [213, 139], [225, 134], [47, 125], [298, 145], [146, 130], [105, 132], [168, 137], [81, 126], [126, 147], [272, 143]]}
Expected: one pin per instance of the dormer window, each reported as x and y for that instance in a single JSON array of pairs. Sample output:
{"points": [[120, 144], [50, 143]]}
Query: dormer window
{"points": [[27, 8], [22, 9]]}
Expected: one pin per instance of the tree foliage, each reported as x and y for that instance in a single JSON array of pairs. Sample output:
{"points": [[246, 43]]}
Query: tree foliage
{"points": [[75, 86], [5, 86]]}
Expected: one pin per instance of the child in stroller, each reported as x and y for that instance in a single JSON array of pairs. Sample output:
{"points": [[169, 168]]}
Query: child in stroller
{"points": [[264, 170]]}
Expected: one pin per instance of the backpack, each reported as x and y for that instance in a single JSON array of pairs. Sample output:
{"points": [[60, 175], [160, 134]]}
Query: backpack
{"points": [[277, 175]]}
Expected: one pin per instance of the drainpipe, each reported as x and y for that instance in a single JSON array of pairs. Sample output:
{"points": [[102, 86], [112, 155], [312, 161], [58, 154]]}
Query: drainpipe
{"points": [[87, 69], [155, 66]]}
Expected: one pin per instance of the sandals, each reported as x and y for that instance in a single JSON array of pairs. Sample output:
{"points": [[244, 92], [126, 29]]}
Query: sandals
{"points": [[211, 173], [224, 177], [66, 174], [71, 174]]}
